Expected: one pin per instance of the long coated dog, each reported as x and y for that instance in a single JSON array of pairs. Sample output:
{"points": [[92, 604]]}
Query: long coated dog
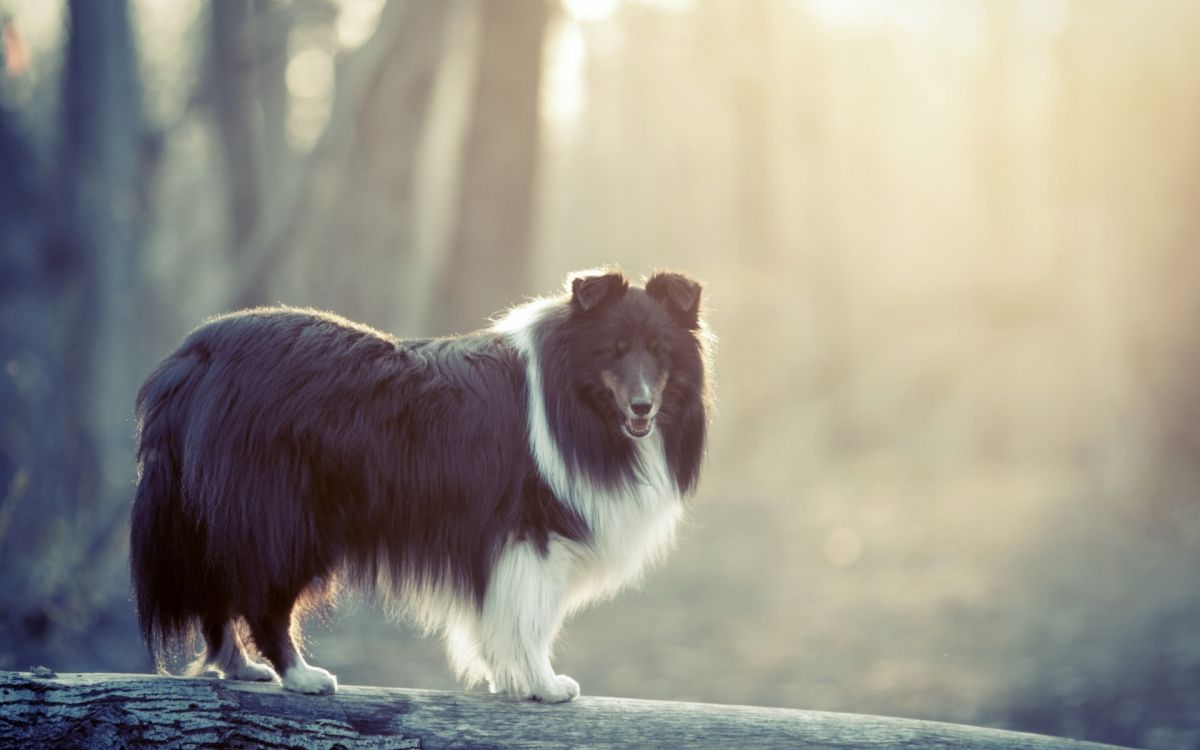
{"points": [[488, 484]]}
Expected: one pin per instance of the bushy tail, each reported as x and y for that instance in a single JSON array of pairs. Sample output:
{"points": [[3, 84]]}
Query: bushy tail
{"points": [[167, 539]]}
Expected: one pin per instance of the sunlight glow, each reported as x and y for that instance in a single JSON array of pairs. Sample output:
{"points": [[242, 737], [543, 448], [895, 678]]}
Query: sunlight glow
{"points": [[565, 91], [670, 6], [161, 27], [590, 11], [40, 23], [1048, 17], [920, 17], [912, 16], [849, 12], [356, 21]]}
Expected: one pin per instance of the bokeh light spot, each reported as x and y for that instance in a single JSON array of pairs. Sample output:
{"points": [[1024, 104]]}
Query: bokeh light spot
{"points": [[843, 547], [356, 21], [310, 73]]}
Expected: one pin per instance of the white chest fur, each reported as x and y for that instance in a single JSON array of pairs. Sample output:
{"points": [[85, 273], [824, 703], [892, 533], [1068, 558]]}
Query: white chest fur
{"points": [[631, 525], [532, 590]]}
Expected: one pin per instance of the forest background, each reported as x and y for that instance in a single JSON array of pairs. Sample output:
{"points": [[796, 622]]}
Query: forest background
{"points": [[950, 249]]}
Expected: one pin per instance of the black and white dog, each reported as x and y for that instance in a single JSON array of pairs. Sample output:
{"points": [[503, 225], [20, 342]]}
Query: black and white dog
{"points": [[490, 483]]}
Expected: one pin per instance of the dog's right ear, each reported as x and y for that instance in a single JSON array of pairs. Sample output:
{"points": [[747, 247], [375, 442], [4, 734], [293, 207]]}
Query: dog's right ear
{"points": [[591, 288], [679, 292]]}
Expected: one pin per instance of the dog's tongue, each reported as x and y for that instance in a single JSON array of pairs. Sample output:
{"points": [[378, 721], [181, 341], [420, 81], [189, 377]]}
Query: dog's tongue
{"points": [[639, 425]]}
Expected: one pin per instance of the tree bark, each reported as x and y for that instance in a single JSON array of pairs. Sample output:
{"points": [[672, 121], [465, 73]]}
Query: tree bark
{"points": [[99, 710]]}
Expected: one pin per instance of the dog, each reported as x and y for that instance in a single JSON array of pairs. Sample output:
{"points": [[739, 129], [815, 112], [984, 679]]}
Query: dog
{"points": [[488, 484]]}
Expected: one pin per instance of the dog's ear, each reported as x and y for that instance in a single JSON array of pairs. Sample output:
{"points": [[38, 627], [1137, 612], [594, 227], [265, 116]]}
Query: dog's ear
{"points": [[591, 288], [679, 292]]}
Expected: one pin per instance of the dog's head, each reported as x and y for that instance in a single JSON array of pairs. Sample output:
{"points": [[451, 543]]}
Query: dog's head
{"points": [[639, 355]]}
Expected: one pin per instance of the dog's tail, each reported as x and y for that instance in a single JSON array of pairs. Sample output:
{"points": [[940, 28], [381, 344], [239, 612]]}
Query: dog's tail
{"points": [[167, 538]]}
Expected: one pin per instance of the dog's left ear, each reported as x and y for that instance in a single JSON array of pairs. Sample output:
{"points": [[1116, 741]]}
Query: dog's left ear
{"points": [[679, 292], [590, 288]]}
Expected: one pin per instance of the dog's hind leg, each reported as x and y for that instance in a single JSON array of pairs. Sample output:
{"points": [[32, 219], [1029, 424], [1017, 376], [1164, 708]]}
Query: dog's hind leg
{"points": [[227, 654], [273, 634]]}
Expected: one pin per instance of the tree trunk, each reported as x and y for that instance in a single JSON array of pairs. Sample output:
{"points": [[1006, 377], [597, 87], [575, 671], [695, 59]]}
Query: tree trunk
{"points": [[97, 710], [492, 243], [71, 323], [232, 91], [754, 85], [45, 454], [104, 177], [350, 220], [358, 246]]}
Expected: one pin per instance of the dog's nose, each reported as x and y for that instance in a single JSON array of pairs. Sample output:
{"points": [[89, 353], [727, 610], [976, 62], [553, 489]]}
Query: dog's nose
{"points": [[641, 408]]}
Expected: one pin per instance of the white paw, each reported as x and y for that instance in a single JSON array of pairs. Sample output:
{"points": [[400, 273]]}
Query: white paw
{"points": [[560, 690], [251, 671], [301, 678]]}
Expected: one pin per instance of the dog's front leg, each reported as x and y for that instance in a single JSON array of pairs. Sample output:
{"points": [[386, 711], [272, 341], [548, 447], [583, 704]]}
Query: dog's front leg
{"points": [[521, 615]]}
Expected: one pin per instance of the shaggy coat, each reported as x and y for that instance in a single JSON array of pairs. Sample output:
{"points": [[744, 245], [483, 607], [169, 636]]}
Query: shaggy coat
{"points": [[488, 484]]}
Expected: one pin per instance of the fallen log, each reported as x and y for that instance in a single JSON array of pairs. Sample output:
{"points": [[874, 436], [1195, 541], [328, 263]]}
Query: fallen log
{"points": [[122, 711]]}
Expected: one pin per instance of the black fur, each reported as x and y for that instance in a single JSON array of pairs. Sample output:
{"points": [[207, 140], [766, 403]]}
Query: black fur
{"points": [[282, 448], [578, 344]]}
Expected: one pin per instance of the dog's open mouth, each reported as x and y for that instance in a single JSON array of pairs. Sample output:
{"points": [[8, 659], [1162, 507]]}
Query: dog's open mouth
{"points": [[638, 426]]}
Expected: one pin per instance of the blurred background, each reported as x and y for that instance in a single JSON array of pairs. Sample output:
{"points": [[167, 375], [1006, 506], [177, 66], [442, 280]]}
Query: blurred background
{"points": [[951, 255]]}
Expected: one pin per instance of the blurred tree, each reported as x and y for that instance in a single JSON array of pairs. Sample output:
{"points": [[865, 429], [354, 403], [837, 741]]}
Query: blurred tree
{"points": [[245, 87], [755, 76], [71, 259], [488, 265], [44, 454], [273, 23], [1105, 310], [231, 85], [346, 226], [821, 215], [366, 205]]}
